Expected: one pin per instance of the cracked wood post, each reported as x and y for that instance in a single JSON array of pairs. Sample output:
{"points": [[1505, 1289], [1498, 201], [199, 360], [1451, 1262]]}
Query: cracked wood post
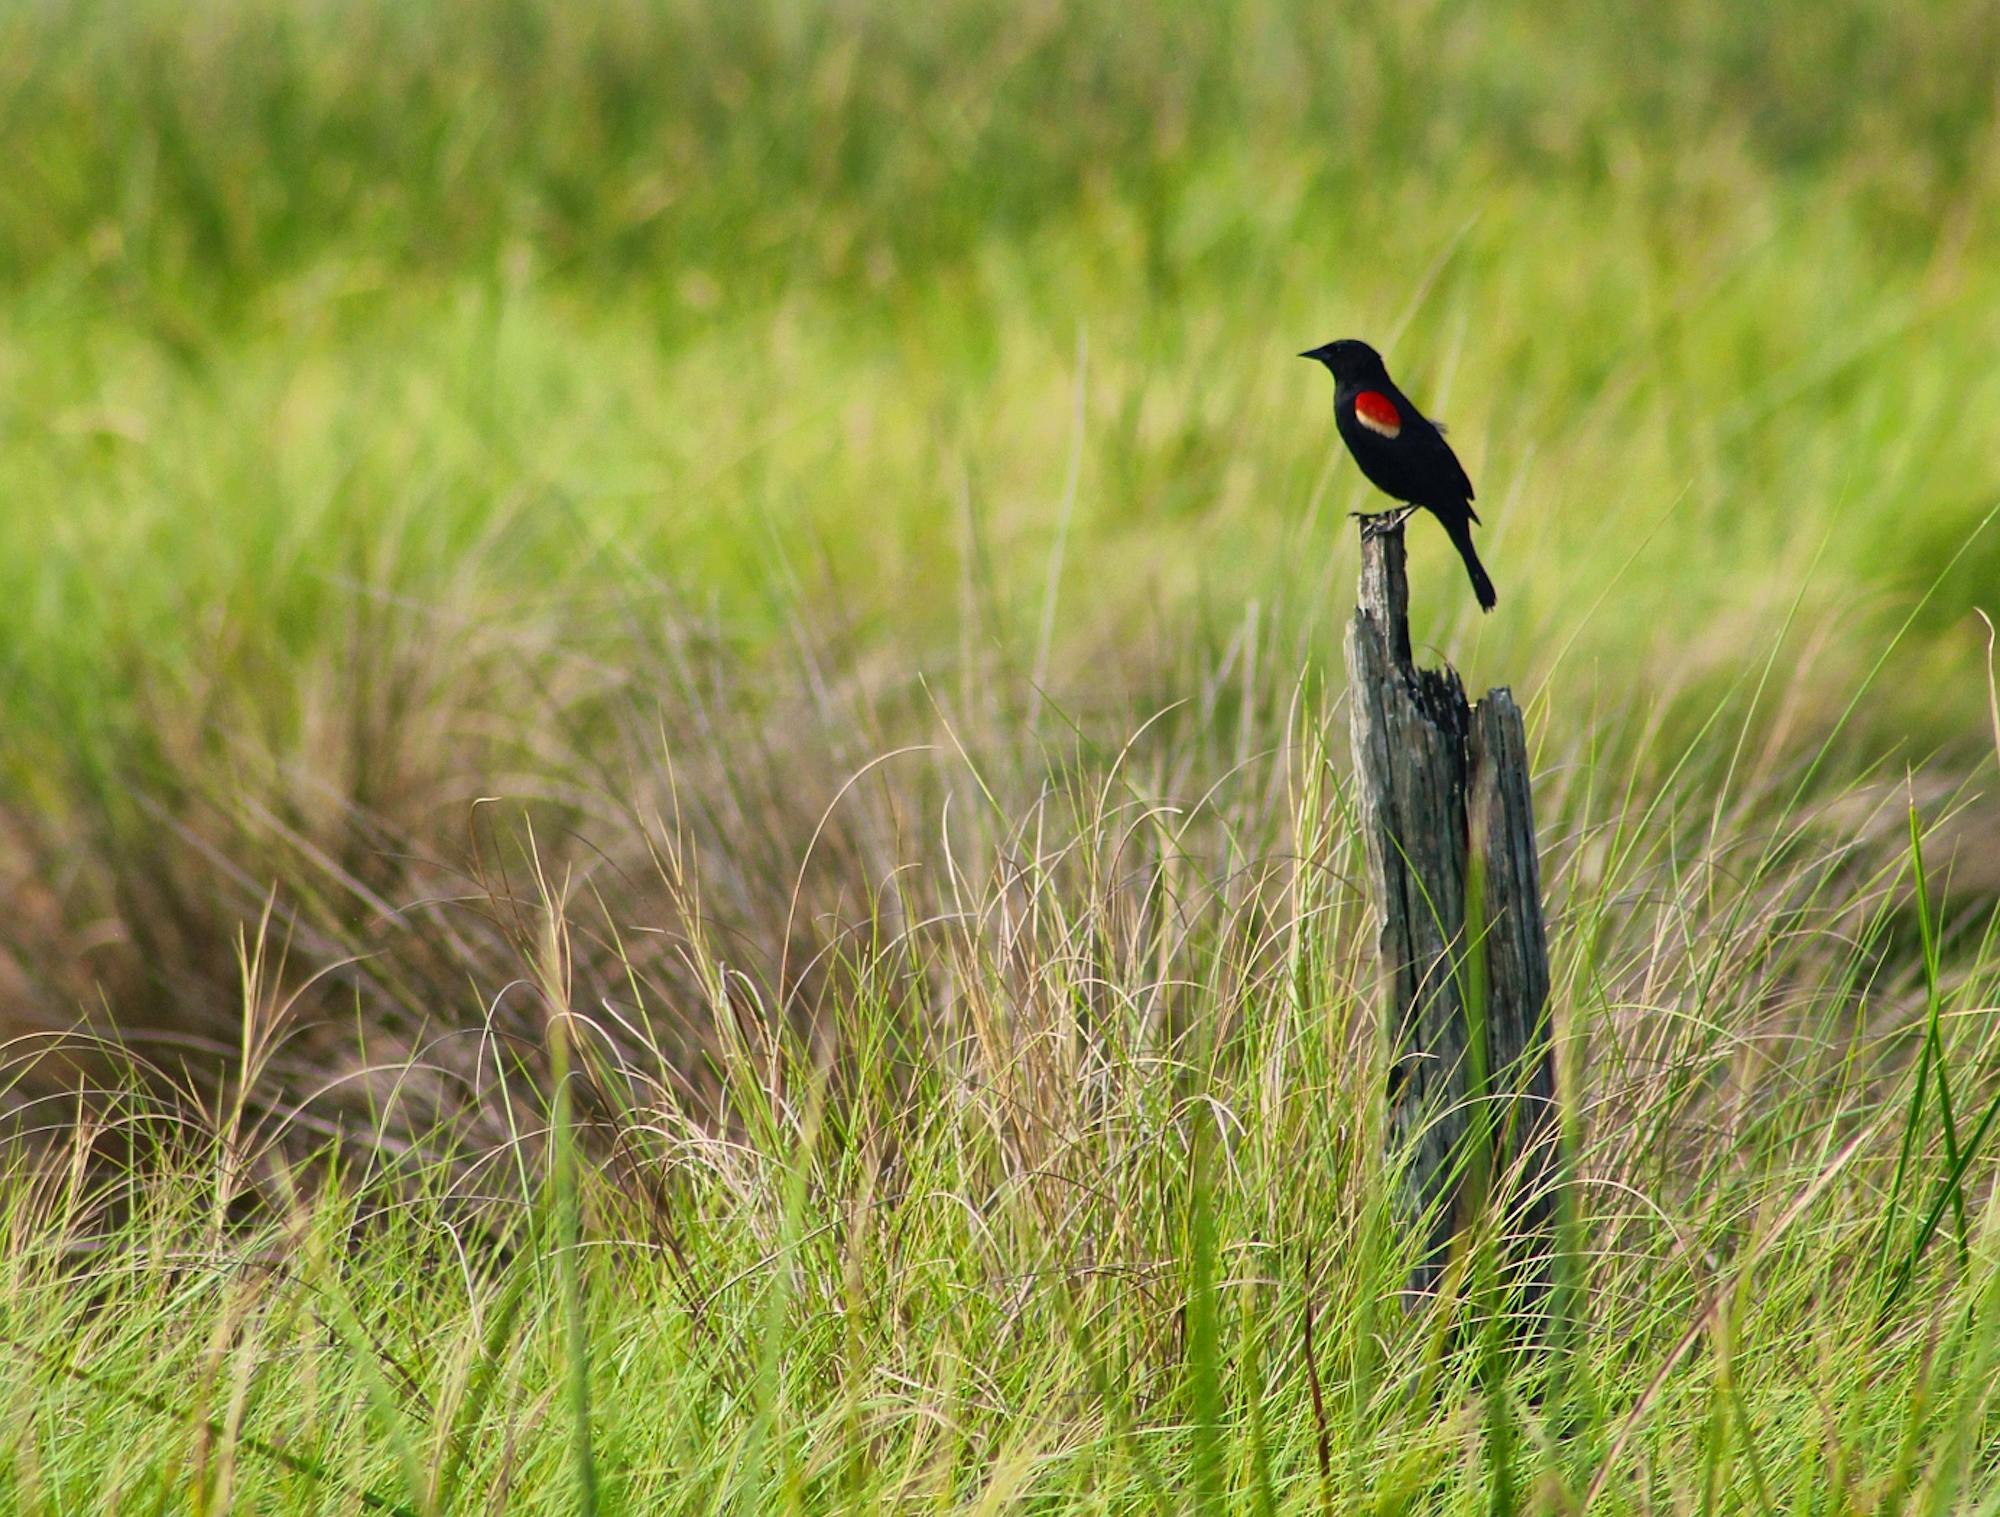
{"points": [[1455, 885]]}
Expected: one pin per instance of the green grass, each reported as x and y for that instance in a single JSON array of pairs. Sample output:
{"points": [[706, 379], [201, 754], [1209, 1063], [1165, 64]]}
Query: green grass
{"points": [[672, 798], [1050, 1245]]}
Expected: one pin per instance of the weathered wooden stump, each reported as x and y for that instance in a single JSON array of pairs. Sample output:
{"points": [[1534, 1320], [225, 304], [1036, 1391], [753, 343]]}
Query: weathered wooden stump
{"points": [[1448, 827]]}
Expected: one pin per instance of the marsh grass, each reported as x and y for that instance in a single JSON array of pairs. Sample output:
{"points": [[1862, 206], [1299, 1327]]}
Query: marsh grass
{"points": [[1018, 1176]]}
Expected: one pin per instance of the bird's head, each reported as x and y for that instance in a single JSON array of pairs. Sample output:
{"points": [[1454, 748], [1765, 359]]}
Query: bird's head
{"points": [[1349, 360]]}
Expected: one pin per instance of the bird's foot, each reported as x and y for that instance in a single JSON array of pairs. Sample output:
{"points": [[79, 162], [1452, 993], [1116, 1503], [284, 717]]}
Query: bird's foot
{"points": [[1375, 523]]}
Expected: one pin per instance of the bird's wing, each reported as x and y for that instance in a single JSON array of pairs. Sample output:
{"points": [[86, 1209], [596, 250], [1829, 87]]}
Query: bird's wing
{"points": [[1440, 450]]}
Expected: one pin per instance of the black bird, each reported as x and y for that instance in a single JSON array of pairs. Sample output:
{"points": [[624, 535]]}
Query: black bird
{"points": [[1402, 451]]}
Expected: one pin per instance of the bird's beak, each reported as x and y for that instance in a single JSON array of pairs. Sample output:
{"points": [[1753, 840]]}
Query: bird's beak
{"points": [[1310, 353]]}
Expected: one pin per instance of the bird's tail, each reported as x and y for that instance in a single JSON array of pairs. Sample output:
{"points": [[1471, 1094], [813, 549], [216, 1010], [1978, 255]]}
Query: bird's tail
{"points": [[1460, 527]]}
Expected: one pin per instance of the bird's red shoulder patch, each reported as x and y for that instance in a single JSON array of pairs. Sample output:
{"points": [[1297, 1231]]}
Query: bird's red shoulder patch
{"points": [[1378, 413]]}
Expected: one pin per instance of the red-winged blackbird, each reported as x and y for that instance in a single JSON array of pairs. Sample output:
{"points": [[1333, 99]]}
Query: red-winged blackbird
{"points": [[1402, 452]]}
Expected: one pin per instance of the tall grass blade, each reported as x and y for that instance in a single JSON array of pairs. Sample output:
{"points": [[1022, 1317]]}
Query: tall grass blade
{"points": [[1951, 1185], [1204, 1335], [569, 1272]]}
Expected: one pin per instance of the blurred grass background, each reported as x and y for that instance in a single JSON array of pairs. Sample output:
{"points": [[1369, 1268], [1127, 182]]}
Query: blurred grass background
{"points": [[310, 300], [649, 415]]}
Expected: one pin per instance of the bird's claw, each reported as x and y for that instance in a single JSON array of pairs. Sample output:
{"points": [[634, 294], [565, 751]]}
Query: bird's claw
{"points": [[1375, 523]]}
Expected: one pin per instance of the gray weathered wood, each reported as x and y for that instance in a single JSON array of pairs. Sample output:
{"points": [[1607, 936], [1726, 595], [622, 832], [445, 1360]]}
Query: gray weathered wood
{"points": [[1448, 830], [1521, 1058]]}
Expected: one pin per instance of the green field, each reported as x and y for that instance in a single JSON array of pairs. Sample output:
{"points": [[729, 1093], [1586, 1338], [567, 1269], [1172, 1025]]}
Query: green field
{"points": [[769, 567]]}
